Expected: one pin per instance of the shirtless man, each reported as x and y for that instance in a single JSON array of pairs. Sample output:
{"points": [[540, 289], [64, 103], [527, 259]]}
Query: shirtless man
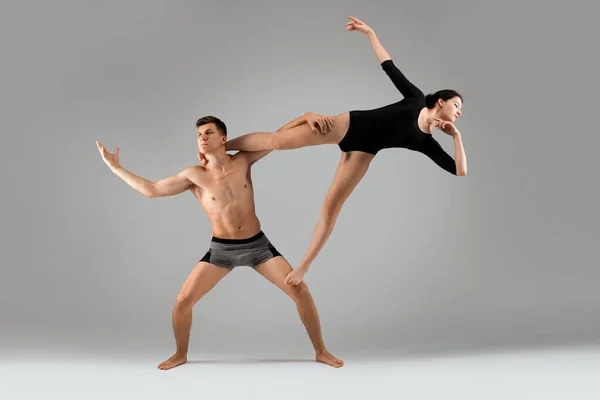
{"points": [[223, 186]]}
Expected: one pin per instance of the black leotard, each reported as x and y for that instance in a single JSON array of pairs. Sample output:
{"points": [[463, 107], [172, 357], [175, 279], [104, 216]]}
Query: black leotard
{"points": [[395, 125]]}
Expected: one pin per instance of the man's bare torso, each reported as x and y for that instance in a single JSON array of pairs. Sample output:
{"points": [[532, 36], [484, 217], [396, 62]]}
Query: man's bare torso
{"points": [[227, 197]]}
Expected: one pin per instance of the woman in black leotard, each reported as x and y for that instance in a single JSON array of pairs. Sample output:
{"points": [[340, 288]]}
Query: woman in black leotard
{"points": [[360, 134]]}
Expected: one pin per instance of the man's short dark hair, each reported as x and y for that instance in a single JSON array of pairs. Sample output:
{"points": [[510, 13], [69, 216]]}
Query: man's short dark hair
{"points": [[209, 119]]}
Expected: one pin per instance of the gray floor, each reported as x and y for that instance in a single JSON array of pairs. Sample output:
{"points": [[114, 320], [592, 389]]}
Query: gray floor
{"points": [[558, 373]]}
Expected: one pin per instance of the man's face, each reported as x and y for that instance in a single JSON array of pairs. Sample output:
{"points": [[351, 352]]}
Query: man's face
{"points": [[209, 138]]}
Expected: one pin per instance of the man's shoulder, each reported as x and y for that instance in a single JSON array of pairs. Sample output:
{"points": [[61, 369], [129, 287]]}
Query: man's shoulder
{"points": [[193, 171], [241, 157], [238, 155]]}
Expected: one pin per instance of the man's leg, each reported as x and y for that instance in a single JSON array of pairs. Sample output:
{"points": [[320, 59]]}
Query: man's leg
{"points": [[200, 281], [275, 270]]}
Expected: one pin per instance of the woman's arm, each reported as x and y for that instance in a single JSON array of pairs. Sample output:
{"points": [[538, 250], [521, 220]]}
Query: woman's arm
{"points": [[460, 158], [318, 122], [357, 25], [381, 54], [404, 86], [457, 165], [293, 123]]}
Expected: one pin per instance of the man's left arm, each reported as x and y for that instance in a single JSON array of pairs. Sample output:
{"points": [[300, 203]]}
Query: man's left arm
{"points": [[254, 156]]}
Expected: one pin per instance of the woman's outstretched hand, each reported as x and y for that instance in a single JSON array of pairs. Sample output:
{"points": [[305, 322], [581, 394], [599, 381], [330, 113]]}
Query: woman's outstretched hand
{"points": [[357, 25]]}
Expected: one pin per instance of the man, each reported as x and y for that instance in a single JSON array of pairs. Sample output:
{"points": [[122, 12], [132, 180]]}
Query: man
{"points": [[223, 186]]}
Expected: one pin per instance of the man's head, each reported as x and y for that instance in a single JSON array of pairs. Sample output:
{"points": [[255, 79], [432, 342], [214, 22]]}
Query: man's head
{"points": [[212, 134]]}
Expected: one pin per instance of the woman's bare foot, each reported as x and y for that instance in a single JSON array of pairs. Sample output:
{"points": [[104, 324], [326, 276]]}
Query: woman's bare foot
{"points": [[327, 358], [174, 361]]}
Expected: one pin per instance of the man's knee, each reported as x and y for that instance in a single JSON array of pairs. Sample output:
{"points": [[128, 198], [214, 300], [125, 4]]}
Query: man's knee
{"points": [[184, 301], [299, 292]]}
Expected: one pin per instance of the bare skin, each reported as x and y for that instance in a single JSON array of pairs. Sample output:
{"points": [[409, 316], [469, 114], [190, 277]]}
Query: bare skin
{"points": [[275, 270], [223, 186], [305, 131]]}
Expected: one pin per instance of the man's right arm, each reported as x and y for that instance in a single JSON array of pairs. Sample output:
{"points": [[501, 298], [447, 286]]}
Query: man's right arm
{"points": [[169, 186]]}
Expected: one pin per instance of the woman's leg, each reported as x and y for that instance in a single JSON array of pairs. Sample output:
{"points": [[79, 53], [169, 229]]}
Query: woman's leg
{"points": [[349, 173], [292, 138]]}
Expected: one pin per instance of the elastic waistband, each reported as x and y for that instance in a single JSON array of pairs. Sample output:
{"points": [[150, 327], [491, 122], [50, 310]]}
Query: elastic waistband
{"points": [[238, 241]]}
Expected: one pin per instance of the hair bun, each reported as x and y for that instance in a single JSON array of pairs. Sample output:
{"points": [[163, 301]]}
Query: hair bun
{"points": [[430, 100], [444, 94]]}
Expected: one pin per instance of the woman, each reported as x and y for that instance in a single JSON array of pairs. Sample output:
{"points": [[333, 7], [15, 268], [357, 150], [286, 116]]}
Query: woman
{"points": [[361, 134]]}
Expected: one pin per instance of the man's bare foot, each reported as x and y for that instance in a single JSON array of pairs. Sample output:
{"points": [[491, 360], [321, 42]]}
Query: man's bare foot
{"points": [[328, 358], [174, 361]]}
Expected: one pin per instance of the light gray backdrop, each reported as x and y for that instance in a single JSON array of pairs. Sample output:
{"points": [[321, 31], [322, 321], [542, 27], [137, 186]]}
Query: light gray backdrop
{"points": [[420, 260]]}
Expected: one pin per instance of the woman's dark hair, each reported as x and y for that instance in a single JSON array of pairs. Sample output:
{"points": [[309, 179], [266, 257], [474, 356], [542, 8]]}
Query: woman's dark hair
{"points": [[444, 94]]}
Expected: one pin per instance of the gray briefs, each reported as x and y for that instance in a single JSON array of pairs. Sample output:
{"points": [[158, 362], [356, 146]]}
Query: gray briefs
{"points": [[230, 253]]}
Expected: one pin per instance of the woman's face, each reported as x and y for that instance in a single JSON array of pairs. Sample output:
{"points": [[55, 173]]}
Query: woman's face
{"points": [[451, 109]]}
